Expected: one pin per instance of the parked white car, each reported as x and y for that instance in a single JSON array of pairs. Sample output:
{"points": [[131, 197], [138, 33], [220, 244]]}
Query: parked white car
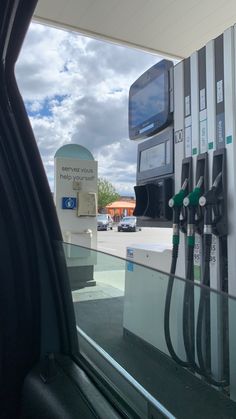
{"points": [[104, 222]]}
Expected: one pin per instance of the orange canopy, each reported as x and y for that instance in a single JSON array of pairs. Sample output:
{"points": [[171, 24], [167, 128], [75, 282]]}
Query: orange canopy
{"points": [[121, 204]]}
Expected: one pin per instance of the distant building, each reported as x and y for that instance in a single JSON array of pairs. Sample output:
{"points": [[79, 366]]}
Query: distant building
{"points": [[121, 208], [127, 198]]}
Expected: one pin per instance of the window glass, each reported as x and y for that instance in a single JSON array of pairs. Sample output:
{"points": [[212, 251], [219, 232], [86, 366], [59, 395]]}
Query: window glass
{"points": [[102, 217], [120, 307], [75, 90]]}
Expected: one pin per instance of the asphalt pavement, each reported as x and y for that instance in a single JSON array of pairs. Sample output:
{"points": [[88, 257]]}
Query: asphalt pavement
{"points": [[115, 243]]}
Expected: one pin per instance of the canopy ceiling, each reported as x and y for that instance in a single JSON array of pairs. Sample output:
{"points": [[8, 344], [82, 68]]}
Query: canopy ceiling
{"points": [[169, 27]]}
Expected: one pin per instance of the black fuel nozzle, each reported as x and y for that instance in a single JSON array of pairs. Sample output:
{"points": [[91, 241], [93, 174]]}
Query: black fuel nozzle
{"points": [[211, 196], [210, 201], [176, 203], [191, 202]]}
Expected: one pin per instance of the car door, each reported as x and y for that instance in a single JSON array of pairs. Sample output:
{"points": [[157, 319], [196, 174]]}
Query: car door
{"points": [[38, 333]]}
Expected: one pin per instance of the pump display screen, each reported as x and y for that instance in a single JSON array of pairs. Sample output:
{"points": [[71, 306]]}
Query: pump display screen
{"points": [[153, 157], [149, 101]]}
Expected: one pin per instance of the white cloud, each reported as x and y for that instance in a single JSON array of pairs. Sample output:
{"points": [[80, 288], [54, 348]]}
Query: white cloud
{"points": [[76, 90]]}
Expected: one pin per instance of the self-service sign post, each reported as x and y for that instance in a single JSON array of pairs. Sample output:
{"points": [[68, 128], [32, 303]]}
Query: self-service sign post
{"points": [[76, 205]]}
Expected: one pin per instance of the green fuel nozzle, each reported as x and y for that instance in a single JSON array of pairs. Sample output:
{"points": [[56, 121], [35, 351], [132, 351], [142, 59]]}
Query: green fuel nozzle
{"points": [[176, 203], [177, 199], [191, 202]]}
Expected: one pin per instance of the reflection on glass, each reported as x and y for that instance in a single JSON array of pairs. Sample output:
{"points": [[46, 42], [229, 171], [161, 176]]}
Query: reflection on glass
{"points": [[122, 309], [152, 158], [148, 101]]}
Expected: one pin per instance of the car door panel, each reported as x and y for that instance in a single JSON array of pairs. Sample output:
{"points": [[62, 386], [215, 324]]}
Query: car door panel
{"points": [[57, 388]]}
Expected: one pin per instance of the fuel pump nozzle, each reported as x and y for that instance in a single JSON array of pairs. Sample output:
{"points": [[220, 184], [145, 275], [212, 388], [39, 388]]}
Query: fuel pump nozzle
{"points": [[176, 203], [210, 203], [177, 200], [191, 202], [193, 198], [210, 197]]}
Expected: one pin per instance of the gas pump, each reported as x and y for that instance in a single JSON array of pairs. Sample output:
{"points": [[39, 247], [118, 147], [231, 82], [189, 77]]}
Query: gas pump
{"points": [[199, 205], [151, 115]]}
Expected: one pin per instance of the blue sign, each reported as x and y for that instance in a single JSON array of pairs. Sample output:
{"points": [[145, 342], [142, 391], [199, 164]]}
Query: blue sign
{"points": [[68, 203], [129, 266], [129, 252]]}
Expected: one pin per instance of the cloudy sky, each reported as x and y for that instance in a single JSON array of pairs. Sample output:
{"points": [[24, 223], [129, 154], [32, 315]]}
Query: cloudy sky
{"points": [[76, 91]]}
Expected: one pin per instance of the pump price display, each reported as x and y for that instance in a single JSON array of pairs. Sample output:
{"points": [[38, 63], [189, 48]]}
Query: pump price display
{"points": [[197, 258], [68, 203], [154, 157], [213, 250]]}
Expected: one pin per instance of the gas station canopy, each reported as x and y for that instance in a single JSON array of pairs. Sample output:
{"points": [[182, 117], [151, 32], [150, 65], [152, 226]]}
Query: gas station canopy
{"points": [[168, 27]]}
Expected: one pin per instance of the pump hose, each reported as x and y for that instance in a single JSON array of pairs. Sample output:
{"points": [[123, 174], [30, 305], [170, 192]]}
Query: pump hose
{"points": [[172, 352], [204, 315], [188, 317], [188, 312]]}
